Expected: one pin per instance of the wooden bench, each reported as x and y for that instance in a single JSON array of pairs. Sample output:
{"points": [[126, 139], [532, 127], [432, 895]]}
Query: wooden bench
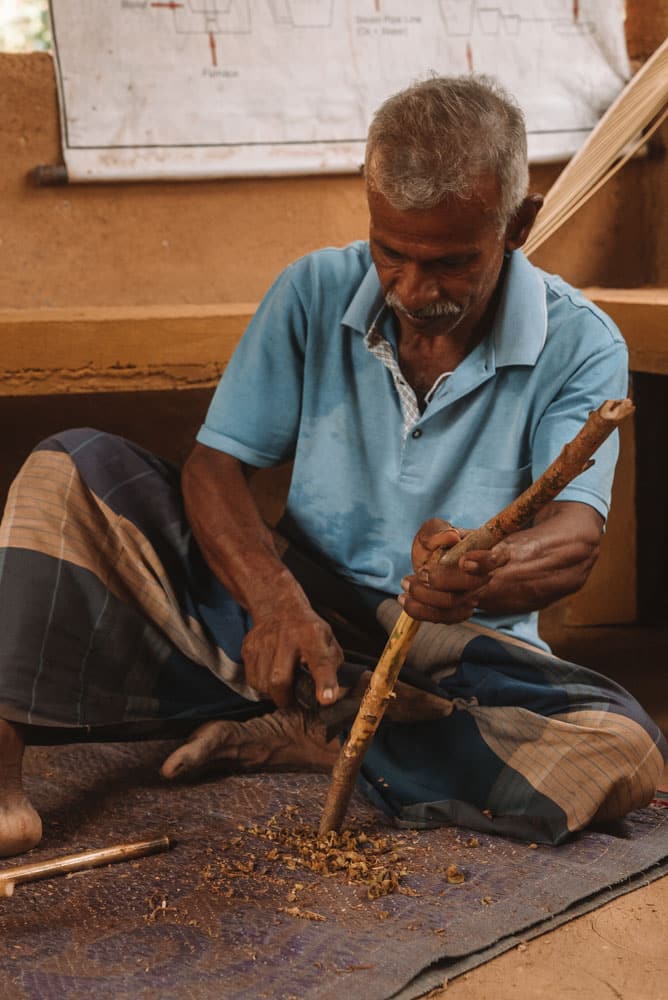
{"points": [[125, 348]]}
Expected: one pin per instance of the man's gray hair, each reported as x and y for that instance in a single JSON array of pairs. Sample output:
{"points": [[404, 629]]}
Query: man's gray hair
{"points": [[435, 139]]}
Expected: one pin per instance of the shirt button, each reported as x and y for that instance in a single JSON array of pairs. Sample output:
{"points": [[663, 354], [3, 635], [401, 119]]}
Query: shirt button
{"points": [[417, 433]]}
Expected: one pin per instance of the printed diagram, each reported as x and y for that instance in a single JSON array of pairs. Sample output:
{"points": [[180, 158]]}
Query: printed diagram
{"points": [[466, 17], [208, 16], [215, 17], [244, 88], [461, 18]]}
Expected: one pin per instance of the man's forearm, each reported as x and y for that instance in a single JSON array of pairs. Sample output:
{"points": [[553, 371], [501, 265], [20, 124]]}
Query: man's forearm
{"points": [[236, 543], [240, 551]]}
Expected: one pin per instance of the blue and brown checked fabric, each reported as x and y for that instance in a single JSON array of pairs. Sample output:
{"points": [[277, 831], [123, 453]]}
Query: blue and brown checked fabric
{"points": [[110, 621]]}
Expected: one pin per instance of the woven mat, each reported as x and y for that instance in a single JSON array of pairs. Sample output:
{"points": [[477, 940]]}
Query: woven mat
{"points": [[201, 922]]}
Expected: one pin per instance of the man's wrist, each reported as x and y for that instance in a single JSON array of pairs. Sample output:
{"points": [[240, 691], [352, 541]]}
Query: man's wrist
{"points": [[276, 594]]}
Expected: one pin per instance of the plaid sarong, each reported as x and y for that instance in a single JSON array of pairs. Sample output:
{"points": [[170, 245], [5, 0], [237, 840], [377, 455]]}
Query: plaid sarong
{"points": [[112, 626]]}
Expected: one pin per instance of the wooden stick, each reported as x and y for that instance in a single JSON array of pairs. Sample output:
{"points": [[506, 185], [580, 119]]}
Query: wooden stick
{"points": [[11, 877], [574, 459]]}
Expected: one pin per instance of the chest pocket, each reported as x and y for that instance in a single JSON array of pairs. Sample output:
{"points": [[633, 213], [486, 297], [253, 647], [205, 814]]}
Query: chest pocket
{"points": [[483, 492]]}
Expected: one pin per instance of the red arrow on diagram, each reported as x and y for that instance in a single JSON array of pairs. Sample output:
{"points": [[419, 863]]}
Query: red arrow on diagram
{"points": [[212, 46]]}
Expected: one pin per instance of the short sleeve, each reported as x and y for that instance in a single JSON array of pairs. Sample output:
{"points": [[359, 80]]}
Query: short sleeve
{"points": [[254, 414], [601, 375]]}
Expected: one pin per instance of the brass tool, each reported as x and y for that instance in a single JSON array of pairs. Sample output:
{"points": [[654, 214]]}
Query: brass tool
{"points": [[11, 877]]}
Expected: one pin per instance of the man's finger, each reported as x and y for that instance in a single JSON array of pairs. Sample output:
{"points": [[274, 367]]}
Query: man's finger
{"points": [[439, 577], [449, 579], [457, 612], [486, 561], [269, 666], [442, 598], [424, 548], [281, 676], [324, 672], [442, 540], [446, 538], [432, 527]]}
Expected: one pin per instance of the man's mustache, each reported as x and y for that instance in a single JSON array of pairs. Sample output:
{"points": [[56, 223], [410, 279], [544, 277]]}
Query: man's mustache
{"points": [[434, 310]]}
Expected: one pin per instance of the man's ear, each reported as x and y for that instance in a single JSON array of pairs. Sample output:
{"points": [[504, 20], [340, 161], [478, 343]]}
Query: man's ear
{"points": [[522, 221]]}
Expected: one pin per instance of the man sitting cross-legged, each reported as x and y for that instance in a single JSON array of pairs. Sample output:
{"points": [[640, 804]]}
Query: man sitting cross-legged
{"points": [[427, 375]]}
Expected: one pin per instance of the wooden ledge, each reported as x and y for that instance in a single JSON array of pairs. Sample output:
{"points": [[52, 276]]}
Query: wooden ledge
{"points": [[125, 348], [642, 316]]}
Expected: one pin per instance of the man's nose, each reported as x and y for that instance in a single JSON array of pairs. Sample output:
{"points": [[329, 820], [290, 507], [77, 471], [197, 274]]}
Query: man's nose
{"points": [[416, 287]]}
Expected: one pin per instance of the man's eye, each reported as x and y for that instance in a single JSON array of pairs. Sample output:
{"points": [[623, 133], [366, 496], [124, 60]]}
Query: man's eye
{"points": [[454, 262], [391, 254]]}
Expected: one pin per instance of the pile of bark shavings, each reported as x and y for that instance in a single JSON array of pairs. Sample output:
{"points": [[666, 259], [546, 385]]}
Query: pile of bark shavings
{"points": [[286, 854]]}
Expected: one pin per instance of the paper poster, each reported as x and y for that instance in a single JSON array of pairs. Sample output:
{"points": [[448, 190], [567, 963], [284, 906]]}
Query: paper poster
{"points": [[211, 88]]}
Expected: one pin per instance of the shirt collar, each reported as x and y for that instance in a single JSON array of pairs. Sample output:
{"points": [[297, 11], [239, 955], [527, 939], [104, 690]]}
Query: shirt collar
{"points": [[366, 304], [520, 325]]}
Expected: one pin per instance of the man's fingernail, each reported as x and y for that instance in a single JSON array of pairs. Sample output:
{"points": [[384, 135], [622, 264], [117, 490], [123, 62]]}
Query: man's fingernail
{"points": [[404, 583], [328, 694], [469, 566], [401, 599], [423, 575]]}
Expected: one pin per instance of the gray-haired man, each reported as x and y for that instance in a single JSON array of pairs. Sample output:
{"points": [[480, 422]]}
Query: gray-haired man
{"points": [[419, 380]]}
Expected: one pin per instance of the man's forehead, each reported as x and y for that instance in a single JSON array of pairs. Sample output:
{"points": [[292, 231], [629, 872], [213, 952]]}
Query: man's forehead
{"points": [[462, 219]]}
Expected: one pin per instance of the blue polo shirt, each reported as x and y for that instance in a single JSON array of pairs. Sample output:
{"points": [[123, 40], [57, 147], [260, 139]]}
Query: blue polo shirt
{"points": [[304, 385]]}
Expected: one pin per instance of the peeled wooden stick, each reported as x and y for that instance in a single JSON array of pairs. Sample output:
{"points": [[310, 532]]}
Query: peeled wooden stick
{"points": [[11, 877], [574, 458]]}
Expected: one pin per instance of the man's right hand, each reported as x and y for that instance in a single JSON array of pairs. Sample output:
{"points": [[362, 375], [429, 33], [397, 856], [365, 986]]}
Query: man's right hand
{"points": [[278, 642], [241, 551], [446, 594]]}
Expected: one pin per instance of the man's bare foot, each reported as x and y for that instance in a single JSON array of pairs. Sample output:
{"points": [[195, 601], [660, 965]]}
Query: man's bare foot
{"points": [[286, 739], [20, 825]]}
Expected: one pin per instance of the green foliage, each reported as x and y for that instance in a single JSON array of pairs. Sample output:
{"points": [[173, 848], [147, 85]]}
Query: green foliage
{"points": [[24, 25]]}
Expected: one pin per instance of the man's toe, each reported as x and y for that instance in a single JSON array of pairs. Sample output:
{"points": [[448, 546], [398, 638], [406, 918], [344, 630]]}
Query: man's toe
{"points": [[205, 745]]}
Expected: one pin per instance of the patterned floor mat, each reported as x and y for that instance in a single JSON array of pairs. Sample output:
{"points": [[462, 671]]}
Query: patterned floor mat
{"points": [[236, 910]]}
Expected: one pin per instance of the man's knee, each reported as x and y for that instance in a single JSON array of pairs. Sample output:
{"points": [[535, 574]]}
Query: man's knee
{"points": [[611, 766], [635, 765], [587, 764]]}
